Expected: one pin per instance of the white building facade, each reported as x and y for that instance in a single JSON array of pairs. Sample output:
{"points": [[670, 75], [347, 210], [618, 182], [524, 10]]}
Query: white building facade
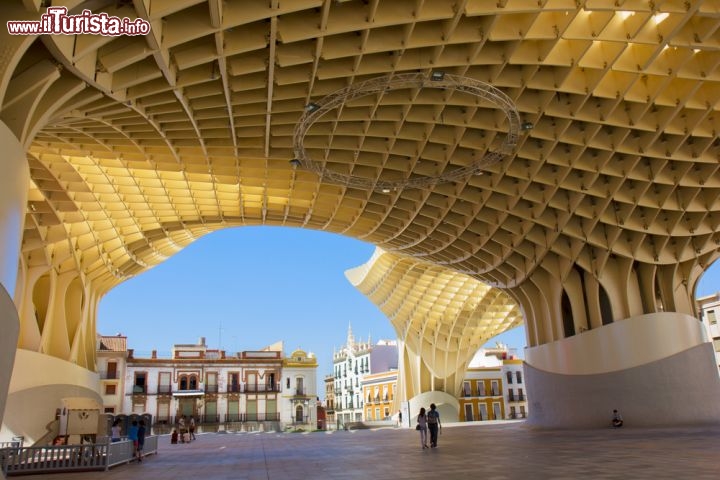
{"points": [[350, 365], [299, 393], [709, 311], [493, 387], [112, 364], [514, 392], [223, 390]]}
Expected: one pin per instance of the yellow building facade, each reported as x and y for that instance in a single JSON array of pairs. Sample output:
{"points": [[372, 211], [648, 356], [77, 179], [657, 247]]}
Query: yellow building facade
{"points": [[482, 398], [380, 393], [493, 387]]}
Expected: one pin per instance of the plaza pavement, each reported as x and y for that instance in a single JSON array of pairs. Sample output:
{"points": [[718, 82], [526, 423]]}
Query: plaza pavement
{"points": [[503, 450]]}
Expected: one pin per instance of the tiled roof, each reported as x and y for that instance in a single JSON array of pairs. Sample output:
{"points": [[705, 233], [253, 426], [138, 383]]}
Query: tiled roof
{"points": [[115, 344]]}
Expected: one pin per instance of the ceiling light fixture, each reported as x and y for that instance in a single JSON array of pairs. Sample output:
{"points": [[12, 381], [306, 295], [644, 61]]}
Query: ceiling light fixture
{"points": [[489, 94]]}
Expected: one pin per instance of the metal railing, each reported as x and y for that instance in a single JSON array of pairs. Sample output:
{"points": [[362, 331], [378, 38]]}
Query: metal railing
{"points": [[211, 389], [263, 417], [252, 417], [16, 442], [234, 417], [68, 458], [259, 388], [300, 421], [164, 389], [171, 421], [247, 388], [210, 419]]}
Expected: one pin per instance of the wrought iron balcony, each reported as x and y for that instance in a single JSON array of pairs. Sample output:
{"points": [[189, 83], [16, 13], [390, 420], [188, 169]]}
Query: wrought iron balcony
{"points": [[210, 419], [262, 387], [300, 421]]}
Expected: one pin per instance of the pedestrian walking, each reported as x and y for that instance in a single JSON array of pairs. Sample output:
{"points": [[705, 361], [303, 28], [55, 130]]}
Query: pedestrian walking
{"points": [[434, 425], [422, 427]]}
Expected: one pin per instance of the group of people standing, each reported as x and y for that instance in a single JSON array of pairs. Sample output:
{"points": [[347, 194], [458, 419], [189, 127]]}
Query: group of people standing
{"points": [[429, 421], [136, 434], [186, 432]]}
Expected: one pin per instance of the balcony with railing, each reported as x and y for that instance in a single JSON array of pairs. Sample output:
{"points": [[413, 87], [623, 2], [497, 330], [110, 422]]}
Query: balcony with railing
{"points": [[234, 388], [217, 418], [300, 421], [209, 419], [139, 389], [262, 387], [164, 389], [262, 417], [211, 388], [109, 375]]}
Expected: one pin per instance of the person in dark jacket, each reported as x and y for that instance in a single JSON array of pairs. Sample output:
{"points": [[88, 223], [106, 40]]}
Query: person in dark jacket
{"points": [[433, 421], [140, 441]]}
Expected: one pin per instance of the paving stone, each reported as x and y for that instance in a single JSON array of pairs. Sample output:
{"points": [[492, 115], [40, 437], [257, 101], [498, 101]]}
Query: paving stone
{"points": [[491, 451]]}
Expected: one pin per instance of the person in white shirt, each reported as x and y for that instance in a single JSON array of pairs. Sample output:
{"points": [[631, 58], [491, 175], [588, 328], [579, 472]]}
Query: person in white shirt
{"points": [[617, 420]]}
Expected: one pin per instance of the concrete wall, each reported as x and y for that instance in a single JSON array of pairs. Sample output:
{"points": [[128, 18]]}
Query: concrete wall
{"points": [[620, 345], [38, 385], [10, 328], [13, 203], [14, 183], [669, 375]]}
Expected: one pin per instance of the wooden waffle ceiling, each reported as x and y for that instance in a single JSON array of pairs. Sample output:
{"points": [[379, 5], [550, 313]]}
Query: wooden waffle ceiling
{"points": [[441, 316], [147, 143]]}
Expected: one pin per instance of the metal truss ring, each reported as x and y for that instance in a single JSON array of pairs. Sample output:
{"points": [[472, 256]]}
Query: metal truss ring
{"points": [[387, 83]]}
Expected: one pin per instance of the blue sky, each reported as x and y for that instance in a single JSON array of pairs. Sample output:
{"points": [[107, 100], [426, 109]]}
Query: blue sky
{"points": [[245, 288]]}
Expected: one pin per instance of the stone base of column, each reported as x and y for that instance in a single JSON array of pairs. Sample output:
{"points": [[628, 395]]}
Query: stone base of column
{"points": [[38, 386], [657, 370]]}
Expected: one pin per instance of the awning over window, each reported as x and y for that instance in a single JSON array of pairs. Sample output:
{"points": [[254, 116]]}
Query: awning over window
{"points": [[188, 393]]}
